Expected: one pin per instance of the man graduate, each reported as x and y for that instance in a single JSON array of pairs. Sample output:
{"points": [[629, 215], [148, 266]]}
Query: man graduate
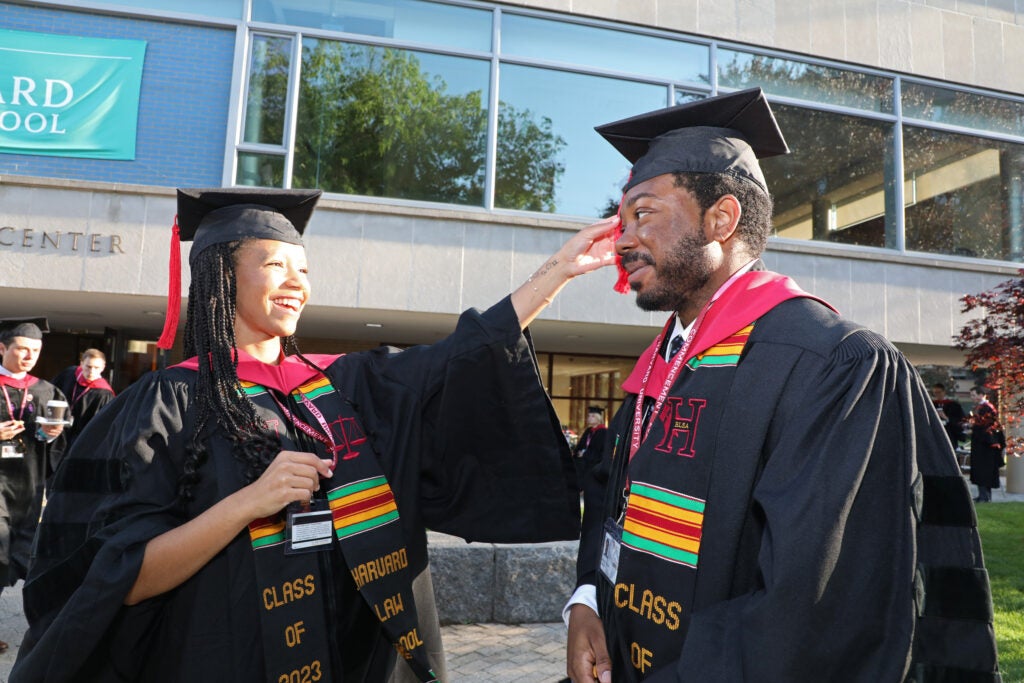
{"points": [[86, 390], [778, 501], [29, 449]]}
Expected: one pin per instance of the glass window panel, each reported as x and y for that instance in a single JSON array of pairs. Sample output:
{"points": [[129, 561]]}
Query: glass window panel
{"points": [[610, 49], [391, 123], [227, 9], [411, 20], [963, 109], [549, 156], [268, 90], [965, 195], [581, 381], [791, 78], [833, 186], [260, 170]]}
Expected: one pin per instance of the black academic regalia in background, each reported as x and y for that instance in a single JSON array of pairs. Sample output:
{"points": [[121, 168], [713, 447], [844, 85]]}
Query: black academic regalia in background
{"points": [[987, 444], [462, 429], [84, 400], [796, 514], [22, 479]]}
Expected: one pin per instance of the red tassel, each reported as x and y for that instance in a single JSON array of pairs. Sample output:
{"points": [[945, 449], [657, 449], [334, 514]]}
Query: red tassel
{"points": [[622, 283], [173, 291]]}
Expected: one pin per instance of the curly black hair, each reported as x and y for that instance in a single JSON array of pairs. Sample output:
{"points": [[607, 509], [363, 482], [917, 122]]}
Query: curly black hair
{"points": [[219, 398], [756, 220]]}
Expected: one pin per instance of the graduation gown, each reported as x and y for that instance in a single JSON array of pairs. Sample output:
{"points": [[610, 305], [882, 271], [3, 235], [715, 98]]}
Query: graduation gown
{"points": [[987, 444], [84, 399], [462, 430], [23, 477], [795, 514]]}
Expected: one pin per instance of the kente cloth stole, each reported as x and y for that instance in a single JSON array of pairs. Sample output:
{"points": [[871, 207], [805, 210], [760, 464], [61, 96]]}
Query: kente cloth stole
{"points": [[367, 528]]}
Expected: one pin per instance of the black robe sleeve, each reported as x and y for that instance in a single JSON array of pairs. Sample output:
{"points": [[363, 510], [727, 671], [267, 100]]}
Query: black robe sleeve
{"points": [[115, 490], [847, 550], [492, 463]]}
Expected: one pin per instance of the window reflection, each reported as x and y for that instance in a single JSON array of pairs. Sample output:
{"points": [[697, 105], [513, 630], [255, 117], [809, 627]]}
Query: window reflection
{"points": [[391, 123], [966, 195], [559, 41], [833, 185], [570, 105], [942, 105], [791, 78], [268, 90], [413, 20], [260, 170]]}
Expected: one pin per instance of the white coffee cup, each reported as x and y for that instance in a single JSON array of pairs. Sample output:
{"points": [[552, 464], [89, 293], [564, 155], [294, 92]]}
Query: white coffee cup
{"points": [[56, 410]]}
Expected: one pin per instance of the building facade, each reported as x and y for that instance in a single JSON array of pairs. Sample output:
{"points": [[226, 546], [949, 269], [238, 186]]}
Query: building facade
{"points": [[454, 142]]}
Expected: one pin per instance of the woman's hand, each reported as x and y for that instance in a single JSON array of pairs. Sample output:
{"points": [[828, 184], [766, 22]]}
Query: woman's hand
{"points": [[591, 248], [292, 476], [175, 556]]}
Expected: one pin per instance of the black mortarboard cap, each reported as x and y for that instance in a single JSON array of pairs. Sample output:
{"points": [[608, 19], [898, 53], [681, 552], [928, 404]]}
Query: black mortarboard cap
{"points": [[213, 216], [30, 328], [724, 134], [216, 215]]}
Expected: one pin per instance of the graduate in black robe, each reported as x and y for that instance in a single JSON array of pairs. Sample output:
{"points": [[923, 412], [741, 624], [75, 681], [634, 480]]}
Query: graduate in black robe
{"points": [[779, 500], [30, 448], [85, 389], [253, 516]]}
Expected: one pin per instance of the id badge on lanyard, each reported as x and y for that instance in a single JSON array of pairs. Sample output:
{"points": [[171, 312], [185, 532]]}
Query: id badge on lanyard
{"points": [[309, 527], [611, 546]]}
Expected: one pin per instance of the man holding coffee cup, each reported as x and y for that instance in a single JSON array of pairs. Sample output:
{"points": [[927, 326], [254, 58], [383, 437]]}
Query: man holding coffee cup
{"points": [[31, 444]]}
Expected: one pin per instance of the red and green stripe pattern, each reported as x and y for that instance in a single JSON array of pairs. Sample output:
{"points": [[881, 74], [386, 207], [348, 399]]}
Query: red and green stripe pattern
{"points": [[663, 523], [361, 506], [725, 353], [266, 531]]}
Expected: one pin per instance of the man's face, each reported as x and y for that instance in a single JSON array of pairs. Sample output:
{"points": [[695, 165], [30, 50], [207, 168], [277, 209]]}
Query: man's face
{"points": [[594, 419], [92, 368], [21, 354], [663, 245], [938, 393]]}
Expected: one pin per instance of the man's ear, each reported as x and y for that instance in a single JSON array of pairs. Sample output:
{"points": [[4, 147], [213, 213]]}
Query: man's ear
{"points": [[722, 218]]}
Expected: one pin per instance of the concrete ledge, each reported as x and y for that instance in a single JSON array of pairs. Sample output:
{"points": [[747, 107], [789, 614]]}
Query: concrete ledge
{"points": [[504, 584]]}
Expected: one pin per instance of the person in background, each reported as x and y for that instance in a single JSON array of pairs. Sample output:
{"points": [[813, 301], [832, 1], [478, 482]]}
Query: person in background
{"points": [[988, 444], [777, 500], [85, 389], [29, 449], [590, 445], [254, 514], [950, 413]]}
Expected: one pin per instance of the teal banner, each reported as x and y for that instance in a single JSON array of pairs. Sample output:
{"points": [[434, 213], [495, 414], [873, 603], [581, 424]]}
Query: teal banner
{"points": [[68, 96]]}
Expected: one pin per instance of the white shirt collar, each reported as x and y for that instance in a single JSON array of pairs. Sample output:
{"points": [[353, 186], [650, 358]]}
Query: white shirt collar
{"points": [[684, 330], [15, 375]]}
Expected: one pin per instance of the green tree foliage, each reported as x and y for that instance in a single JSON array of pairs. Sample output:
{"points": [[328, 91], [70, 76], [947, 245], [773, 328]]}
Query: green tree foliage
{"points": [[371, 122]]}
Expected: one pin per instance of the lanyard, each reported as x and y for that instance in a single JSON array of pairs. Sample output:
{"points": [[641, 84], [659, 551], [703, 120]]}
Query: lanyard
{"points": [[325, 438], [10, 406], [638, 432]]}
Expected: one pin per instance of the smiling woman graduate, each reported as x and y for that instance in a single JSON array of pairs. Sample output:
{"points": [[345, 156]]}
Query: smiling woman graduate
{"points": [[254, 514]]}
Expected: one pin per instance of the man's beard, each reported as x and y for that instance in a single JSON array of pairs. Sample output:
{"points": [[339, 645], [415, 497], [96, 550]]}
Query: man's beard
{"points": [[679, 277]]}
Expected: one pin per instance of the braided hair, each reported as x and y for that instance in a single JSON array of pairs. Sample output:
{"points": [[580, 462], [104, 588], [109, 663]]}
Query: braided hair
{"points": [[219, 398]]}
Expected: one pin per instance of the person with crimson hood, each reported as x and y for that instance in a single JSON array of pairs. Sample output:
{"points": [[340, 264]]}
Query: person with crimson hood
{"points": [[86, 390], [777, 500], [258, 514], [30, 446]]}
